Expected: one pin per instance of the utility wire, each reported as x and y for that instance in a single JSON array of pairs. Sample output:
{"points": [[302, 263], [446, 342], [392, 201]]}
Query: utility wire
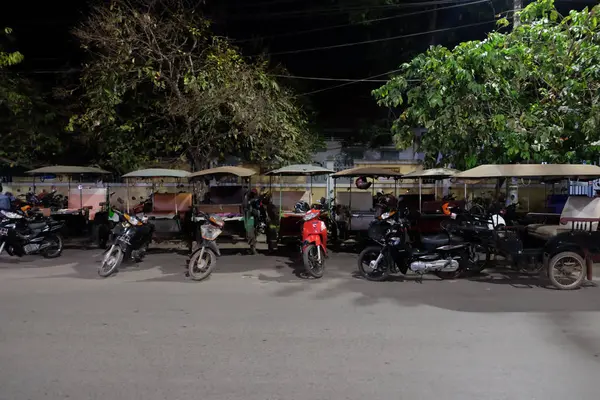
{"points": [[368, 21], [335, 46], [317, 78], [367, 79], [336, 10]]}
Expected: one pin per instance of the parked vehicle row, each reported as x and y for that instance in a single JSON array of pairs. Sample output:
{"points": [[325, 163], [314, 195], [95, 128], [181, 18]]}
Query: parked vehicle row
{"points": [[390, 241]]}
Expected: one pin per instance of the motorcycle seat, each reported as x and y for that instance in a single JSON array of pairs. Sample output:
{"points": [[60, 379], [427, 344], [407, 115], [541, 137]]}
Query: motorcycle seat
{"points": [[436, 240], [37, 226]]}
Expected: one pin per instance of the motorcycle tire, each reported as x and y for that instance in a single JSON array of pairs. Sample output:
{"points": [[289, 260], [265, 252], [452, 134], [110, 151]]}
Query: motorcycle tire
{"points": [[53, 252], [105, 270], [446, 275], [576, 284], [307, 259], [201, 274], [384, 274]]}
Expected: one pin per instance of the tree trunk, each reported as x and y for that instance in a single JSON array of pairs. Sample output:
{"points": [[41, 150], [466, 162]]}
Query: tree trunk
{"points": [[517, 6]]}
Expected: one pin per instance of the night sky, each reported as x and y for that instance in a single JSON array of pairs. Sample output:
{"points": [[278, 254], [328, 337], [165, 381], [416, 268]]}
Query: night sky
{"points": [[42, 32]]}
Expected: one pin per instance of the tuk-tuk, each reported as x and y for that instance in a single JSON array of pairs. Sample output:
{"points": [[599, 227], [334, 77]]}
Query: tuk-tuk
{"points": [[564, 245]]}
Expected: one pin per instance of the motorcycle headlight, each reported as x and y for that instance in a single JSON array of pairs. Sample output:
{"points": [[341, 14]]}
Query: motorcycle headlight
{"points": [[210, 232], [11, 215], [310, 215], [386, 215]]}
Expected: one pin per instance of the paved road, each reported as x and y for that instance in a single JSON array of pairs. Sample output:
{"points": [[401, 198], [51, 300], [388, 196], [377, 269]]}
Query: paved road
{"points": [[255, 331]]}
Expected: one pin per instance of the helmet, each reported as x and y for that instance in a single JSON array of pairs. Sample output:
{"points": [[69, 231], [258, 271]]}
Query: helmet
{"points": [[362, 183], [301, 207]]}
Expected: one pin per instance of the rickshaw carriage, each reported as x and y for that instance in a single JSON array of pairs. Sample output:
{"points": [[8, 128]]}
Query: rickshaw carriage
{"points": [[226, 201], [431, 214], [354, 211], [293, 204], [84, 216], [169, 212], [568, 248]]}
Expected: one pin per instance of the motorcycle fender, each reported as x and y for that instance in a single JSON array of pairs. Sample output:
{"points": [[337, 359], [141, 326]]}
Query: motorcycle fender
{"points": [[314, 239], [211, 244]]}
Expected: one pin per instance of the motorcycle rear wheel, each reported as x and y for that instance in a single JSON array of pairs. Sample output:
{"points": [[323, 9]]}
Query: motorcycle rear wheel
{"points": [[364, 259], [312, 266], [55, 250], [111, 263], [210, 263]]}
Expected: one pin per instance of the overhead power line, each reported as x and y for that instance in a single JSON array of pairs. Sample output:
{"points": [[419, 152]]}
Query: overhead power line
{"points": [[336, 10], [335, 46], [318, 78], [368, 21], [367, 79]]}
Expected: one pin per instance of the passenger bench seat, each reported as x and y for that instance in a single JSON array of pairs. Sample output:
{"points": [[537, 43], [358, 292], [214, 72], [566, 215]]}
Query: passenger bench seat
{"points": [[575, 207]]}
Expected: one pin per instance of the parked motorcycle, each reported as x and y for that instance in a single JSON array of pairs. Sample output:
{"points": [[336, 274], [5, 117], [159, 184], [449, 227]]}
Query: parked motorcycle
{"points": [[203, 260], [130, 240], [394, 253], [21, 236], [314, 243]]}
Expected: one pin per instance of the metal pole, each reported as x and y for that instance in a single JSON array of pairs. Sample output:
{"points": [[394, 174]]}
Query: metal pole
{"points": [[80, 187], [152, 196], [127, 189], [420, 194], [176, 190], [465, 193], [310, 197]]}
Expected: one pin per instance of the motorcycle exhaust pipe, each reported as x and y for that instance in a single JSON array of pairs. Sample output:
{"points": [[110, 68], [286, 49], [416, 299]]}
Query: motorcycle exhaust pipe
{"points": [[438, 265]]}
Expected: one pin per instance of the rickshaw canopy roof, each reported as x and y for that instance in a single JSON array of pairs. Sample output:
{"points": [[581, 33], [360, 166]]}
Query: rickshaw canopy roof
{"points": [[157, 173], [433, 173], [301, 169], [67, 170], [369, 172], [222, 171], [546, 171]]}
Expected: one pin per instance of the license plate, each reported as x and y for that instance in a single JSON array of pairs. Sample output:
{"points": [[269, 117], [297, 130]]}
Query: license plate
{"points": [[3, 232]]}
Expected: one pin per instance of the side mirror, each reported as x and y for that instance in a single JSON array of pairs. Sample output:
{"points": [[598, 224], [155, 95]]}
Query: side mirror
{"points": [[133, 198], [112, 194], [120, 200]]}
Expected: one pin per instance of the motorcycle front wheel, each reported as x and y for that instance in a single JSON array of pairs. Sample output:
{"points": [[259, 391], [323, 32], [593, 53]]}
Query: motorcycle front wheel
{"points": [[368, 256], [202, 263], [312, 265], [111, 261], [56, 246]]}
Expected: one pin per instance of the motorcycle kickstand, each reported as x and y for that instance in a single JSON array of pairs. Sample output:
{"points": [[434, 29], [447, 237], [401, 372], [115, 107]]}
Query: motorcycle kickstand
{"points": [[419, 277]]}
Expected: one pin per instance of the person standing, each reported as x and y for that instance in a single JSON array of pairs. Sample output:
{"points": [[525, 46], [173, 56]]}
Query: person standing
{"points": [[251, 215], [5, 200]]}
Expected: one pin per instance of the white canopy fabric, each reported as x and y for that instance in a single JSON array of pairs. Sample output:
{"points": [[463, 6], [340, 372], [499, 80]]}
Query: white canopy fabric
{"points": [[545, 171], [157, 173], [433, 173], [369, 172], [67, 170], [223, 171], [301, 169]]}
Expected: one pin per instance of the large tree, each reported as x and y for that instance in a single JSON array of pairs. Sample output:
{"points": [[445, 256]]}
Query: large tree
{"points": [[158, 82], [531, 94], [27, 130]]}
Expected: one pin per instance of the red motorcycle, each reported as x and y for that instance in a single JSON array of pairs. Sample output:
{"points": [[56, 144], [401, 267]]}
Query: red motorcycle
{"points": [[314, 243]]}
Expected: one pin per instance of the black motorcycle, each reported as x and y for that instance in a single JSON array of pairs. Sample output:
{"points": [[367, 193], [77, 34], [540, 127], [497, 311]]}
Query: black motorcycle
{"points": [[447, 257], [130, 240], [21, 236]]}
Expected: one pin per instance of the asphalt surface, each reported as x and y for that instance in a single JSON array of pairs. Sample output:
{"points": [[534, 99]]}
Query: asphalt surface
{"points": [[257, 331]]}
